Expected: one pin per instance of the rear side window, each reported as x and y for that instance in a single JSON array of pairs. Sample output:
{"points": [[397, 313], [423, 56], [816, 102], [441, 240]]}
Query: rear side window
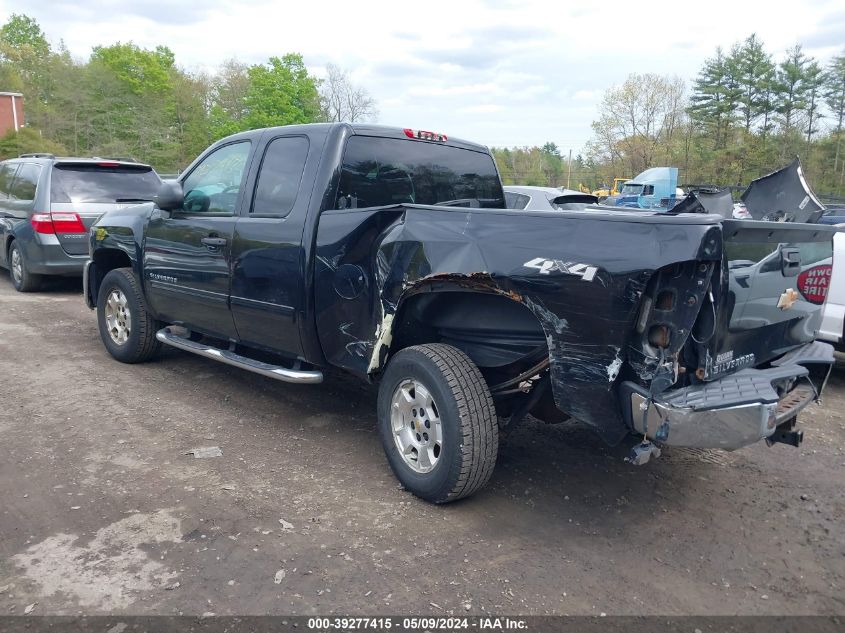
{"points": [[516, 200], [7, 174], [281, 173], [385, 171], [96, 183], [25, 182]]}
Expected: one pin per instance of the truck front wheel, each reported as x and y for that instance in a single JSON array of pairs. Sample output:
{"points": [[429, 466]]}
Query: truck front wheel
{"points": [[126, 327], [437, 422]]}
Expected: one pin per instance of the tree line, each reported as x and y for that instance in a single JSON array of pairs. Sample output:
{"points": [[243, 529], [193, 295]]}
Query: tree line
{"points": [[127, 101], [745, 114]]}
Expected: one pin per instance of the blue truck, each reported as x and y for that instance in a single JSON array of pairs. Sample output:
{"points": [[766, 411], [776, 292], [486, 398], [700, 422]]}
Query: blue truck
{"points": [[655, 188]]}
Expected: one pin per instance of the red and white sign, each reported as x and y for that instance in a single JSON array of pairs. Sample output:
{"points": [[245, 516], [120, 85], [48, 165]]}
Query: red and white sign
{"points": [[814, 282]]}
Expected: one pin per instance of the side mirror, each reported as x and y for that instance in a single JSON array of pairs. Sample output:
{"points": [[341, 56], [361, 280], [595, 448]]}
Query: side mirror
{"points": [[170, 196]]}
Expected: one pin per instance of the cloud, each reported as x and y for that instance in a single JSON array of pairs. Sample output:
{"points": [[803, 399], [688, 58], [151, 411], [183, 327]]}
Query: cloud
{"points": [[157, 11], [827, 34], [501, 72], [587, 95], [483, 108], [439, 91]]}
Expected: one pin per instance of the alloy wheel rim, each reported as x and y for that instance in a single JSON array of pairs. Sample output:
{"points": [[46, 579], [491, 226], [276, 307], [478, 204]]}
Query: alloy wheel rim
{"points": [[417, 429], [17, 265], [118, 317]]}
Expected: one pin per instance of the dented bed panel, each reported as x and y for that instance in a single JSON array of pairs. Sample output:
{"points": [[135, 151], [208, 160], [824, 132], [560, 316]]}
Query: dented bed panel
{"points": [[580, 274]]}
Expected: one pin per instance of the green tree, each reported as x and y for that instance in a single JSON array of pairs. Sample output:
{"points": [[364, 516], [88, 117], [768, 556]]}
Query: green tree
{"points": [[639, 121], [791, 85], [24, 58], [27, 140], [814, 80], [752, 69], [281, 93], [552, 164], [713, 98], [130, 101], [834, 95], [227, 108], [143, 71], [21, 31]]}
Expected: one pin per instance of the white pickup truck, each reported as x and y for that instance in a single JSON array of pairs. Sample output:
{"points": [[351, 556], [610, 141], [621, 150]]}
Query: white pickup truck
{"points": [[833, 317]]}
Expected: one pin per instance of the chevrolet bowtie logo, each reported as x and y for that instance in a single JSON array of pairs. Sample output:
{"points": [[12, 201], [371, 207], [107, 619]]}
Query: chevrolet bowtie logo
{"points": [[788, 297]]}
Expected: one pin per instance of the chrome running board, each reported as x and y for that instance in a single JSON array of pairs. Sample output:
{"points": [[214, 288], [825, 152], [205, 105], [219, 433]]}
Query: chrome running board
{"points": [[168, 337]]}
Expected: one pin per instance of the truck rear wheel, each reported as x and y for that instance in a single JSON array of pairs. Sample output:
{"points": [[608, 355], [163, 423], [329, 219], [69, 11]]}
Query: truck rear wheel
{"points": [[437, 422], [126, 327]]}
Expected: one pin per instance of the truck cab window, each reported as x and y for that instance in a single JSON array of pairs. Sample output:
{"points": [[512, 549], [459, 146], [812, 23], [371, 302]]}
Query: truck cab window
{"points": [[386, 171], [280, 175], [213, 186]]}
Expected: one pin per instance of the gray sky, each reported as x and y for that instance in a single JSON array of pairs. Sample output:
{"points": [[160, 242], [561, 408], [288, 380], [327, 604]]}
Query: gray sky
{"points": [[498, 72]]}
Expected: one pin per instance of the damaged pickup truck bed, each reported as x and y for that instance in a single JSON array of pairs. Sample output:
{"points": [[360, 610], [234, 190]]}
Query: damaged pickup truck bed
{"points": [[388, 253]]}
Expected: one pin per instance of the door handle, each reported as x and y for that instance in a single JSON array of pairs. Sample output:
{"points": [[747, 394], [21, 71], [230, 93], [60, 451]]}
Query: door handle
{"points": [[790, 261], [213, 243]]}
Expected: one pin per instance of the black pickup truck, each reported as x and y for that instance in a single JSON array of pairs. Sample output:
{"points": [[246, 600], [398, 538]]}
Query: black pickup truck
{"points": [[388, 253]]}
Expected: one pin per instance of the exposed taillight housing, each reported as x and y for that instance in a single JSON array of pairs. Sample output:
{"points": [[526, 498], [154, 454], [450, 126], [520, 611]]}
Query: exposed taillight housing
{"points": [[57, 223]]}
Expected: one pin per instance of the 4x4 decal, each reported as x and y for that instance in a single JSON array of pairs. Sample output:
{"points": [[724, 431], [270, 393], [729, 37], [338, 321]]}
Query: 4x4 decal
{"points": [[546, 266]]}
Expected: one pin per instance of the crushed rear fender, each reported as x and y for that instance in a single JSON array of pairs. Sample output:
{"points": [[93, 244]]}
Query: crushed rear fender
{"points": [[580, 274]]}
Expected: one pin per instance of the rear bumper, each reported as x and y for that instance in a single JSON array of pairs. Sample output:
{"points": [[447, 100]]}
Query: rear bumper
{"points": [[734, 411], [45, 256]]}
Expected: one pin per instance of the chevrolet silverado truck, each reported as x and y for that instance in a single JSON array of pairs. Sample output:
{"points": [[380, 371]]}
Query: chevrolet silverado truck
{"points": [[389, 253]]}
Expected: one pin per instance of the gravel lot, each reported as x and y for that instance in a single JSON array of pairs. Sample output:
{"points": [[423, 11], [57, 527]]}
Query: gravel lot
{"points": [[103, 512]]}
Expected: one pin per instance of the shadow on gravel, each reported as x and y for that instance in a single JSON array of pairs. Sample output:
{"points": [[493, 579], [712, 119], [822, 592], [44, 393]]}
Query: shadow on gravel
{"points": [[49, 285], [559, 478]]}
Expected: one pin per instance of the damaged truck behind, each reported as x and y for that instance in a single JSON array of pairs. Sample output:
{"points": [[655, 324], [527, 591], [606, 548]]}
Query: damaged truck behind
{"points": [[388, 253]]}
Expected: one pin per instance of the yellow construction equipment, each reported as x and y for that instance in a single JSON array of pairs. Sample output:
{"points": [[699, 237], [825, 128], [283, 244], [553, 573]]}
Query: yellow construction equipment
{"points": [[617, 187]]}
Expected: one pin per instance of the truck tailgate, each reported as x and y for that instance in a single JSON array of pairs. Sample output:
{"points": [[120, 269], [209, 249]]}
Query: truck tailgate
{"points": [[772, 291]]}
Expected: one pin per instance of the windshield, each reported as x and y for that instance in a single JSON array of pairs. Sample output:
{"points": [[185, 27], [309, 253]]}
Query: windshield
{"points": [[95, 183], [631, 190], [386, 171]]}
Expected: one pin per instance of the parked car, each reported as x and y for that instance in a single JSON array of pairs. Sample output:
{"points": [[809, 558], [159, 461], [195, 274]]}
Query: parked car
{"points": [[48, 203], [389, 253], [527, 197], [833, 285]]}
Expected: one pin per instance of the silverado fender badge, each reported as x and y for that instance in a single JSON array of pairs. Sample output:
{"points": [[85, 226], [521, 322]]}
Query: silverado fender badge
{"points": [[546, 266], [160, 277], [789, 296]]}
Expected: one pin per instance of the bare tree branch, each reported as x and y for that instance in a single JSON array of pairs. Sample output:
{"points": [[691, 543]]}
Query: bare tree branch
{"points": [[341, 100]]}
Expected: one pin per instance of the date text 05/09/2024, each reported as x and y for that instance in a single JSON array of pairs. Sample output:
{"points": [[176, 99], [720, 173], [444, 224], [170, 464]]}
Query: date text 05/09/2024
{"points": [[487, 623]]}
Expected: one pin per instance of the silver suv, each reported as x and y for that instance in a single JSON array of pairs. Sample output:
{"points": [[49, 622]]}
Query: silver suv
{"points": [[48, 203]]}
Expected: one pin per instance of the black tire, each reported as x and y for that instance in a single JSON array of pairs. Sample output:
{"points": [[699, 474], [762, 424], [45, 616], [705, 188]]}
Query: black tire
{"points": [[467, 415], [141, 344], [23, 281]]}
